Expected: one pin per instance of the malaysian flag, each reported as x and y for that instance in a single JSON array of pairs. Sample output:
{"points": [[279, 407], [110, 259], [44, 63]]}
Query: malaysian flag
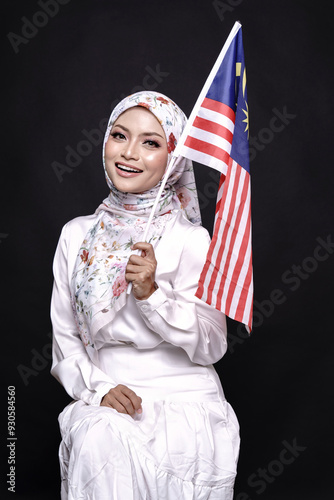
{"points": [[217, 136]]}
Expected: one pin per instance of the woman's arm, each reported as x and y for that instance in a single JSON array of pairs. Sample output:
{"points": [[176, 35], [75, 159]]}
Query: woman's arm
{"points": [[71, 365], [178, 316]]}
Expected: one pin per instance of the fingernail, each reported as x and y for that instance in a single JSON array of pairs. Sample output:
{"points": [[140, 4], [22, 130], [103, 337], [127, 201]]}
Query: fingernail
{"points": [[140, 410]]}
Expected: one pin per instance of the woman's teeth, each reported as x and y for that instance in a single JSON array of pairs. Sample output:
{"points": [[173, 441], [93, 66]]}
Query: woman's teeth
{"points": [[128, 169]]}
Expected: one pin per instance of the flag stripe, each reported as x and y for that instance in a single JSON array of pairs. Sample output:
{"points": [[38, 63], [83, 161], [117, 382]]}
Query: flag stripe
{"points": [[214, 116], [209, 138], [245, 297], [219, 194], [242, 307], [232, 224], [214, 128], [240, 252], [240, 279], [235, 244], [205, 159], [219, 107], [209, 149]]}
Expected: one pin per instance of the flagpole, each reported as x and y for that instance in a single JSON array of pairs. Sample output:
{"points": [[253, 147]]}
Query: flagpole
{"points": [[156, 201], [155, 204]]}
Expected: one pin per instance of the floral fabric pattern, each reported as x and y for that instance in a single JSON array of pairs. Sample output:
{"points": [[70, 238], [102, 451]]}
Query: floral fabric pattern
{"points": [[98, 282]]}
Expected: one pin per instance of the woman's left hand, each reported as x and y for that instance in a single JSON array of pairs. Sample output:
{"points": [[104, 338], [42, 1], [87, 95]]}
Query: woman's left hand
{"points": [[141, 271]]}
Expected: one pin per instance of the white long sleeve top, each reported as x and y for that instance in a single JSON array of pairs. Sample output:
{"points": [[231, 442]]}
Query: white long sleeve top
{"points": [[172, 314]]}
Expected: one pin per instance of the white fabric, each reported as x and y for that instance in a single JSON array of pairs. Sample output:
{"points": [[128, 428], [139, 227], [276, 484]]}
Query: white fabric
{"points": [[185, 444]]}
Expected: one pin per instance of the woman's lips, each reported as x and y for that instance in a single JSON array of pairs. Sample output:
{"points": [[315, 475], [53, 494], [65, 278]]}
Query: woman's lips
{"points": [[127, 170]]}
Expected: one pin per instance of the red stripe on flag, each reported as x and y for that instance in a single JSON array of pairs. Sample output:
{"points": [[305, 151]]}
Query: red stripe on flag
{"points": [[205, 147], [219, 198], [222, 238], [239, 212], [231, 212], [241, 254], [214, 128], [219, 107], [200, 289], [241, 307]]}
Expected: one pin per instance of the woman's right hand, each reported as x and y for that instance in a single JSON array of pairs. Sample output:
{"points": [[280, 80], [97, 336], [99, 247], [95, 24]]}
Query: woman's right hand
{"points": [[123, 400]]}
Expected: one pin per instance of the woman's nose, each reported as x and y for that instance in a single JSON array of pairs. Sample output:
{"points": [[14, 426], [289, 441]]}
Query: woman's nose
{"points": [[130, 151]]}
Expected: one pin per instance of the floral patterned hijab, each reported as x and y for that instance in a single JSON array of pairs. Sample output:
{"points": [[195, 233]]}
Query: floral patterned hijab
{"points": [[98, 281]]}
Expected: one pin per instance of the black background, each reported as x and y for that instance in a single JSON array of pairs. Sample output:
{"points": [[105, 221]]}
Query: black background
{"points": [[63, 81]]}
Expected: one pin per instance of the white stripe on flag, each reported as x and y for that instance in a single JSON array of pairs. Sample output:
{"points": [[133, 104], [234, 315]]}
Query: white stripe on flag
{"points": [[237, 242], [210, 138], [243, 272], [243, 221], [240, 286], [203, 158], [215, 117]]}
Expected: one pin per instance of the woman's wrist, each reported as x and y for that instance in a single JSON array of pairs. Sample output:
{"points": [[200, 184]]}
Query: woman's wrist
{"points": [[145, 297]]}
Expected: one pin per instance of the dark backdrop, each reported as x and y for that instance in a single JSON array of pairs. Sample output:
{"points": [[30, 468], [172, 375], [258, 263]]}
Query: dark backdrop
{"points": [[65, 65]]}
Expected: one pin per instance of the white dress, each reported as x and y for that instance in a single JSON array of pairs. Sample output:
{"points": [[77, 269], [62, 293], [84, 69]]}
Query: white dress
{"points": [[185, 444]]}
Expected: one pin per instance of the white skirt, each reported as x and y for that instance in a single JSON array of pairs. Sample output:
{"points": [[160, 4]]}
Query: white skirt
{"points": [[184, 445]]}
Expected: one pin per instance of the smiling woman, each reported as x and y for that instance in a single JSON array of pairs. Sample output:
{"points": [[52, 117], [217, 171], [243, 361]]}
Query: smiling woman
{"points": [[149, 417]]}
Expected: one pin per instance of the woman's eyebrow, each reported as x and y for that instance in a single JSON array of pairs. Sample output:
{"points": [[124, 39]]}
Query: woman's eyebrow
{"points": [[146, 134], [152, 133]]}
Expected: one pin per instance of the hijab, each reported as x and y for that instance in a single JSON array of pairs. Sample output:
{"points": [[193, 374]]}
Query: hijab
{"points": [[98, 287]]}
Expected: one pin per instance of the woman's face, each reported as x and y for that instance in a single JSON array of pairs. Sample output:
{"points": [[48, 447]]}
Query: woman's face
{"points": [[136, 151]]}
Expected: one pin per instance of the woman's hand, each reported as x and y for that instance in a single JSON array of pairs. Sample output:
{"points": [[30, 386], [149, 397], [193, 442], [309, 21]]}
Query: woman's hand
{"points": [[123, 400], [141, 271]]}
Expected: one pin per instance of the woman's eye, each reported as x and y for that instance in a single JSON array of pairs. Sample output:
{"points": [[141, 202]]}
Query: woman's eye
{"points": [[117, 135], [154, 144]]}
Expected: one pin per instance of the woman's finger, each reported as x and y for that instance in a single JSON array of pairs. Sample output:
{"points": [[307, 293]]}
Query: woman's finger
{"points": [[123, 405], [123, 400], [120, 403], [139, 260], [135, 400], [147, 248], [148, 269]]}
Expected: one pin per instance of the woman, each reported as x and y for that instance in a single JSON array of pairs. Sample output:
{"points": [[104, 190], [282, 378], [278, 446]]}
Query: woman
{"points": [[149, 420]]}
